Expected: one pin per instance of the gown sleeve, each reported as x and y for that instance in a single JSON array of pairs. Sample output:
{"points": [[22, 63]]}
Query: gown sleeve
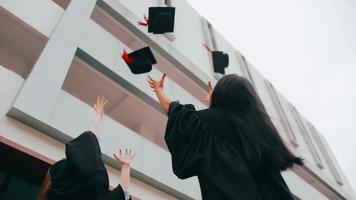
{"points": [[185, 138], [116, 194]]}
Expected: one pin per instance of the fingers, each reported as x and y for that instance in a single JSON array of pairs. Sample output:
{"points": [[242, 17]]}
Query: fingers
{"points": [[101, 101], [151, 79], [163, 77], [150, 83], [161, 82], [210, 87], [126, 153], [105, 102]]}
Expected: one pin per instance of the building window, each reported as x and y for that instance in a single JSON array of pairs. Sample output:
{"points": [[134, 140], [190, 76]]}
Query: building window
{"points": [[303, 130], [246, 70], [325, 154], [206, 33], [210, 40], [212, 36], [281, 114]]}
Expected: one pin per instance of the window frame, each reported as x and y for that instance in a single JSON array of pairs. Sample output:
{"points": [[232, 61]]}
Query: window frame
{"points": [[245, 69], [281, 114], [210, 40], [307, 138], [325, 154]]}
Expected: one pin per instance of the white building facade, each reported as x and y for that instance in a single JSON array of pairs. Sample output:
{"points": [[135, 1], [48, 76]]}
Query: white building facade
{"points": [[57, 56]]}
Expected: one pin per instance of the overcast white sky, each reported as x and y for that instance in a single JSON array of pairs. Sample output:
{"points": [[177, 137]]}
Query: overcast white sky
{"points": [[307, 49]]}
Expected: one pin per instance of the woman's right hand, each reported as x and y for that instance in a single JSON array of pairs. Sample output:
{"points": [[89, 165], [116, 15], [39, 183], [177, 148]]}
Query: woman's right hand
{"points": [[210, 91], [156, 85], [124, 158]]}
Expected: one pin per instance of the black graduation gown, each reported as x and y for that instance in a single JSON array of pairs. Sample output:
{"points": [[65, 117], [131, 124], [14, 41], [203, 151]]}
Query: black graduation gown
{"points": [[82, 175], [201, 144]]}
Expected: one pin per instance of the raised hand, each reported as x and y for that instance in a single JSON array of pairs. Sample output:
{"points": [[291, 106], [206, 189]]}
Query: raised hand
{"points": [[99, 105], [156, 85], [124, 158], [210, 91]]}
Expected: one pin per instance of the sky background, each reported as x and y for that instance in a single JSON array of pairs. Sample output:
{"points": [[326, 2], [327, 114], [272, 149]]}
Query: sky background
{"points": [[307, 49]]}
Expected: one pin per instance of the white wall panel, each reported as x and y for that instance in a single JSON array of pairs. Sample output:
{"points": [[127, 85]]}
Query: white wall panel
{"points": [[42, 15]]}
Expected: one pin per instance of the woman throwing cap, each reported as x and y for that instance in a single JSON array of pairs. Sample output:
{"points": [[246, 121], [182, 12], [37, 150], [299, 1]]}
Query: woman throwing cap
{"points": [[232, 146]]}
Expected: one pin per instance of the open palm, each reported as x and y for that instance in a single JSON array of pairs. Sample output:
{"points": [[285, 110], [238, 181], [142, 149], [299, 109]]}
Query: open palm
{"points": [[156, 84], [99, 105], [124, 157]]}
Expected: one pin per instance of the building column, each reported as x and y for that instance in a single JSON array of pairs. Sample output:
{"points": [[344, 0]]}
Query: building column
{"points": [[40, 90]]}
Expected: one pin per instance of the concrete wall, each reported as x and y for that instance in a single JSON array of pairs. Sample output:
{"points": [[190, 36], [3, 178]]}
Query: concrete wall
{"points": [[83, 40]]}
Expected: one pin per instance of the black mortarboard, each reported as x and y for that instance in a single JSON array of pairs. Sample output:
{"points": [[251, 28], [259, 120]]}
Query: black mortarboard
{"points": [[139, 61], [220, 61], [161, 19]]}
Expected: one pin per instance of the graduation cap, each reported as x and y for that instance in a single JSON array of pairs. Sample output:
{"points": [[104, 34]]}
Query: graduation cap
{"points": [[139, 61], [160, 20], [220, 60]]}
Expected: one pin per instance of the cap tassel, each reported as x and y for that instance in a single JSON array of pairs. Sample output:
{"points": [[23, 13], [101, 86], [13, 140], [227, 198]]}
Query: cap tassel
{"points": [[126, 57], [144, 23], [207, 47]]}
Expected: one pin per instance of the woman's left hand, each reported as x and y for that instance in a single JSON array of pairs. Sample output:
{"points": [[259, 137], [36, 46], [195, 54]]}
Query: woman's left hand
{"points": [[124, 157]]}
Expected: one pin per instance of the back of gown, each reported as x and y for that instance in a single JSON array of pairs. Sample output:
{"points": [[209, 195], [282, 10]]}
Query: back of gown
{"points": [[204, 144]]}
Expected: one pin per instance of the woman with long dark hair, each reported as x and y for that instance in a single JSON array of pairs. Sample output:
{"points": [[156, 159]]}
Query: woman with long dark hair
{"points": [[232, 146], [82, 175]]}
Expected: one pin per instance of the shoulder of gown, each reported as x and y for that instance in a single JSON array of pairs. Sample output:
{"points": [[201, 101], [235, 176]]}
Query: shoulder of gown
{"points": [[185, 137]]}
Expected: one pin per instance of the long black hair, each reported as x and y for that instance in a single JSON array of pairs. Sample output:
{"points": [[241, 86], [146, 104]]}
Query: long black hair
{"points": [[261, 145]]}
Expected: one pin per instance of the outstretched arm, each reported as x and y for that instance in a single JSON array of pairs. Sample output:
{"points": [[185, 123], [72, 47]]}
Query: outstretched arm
{"points": [[157, 86], [99, 106], [125, 158], [210, 91]]}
